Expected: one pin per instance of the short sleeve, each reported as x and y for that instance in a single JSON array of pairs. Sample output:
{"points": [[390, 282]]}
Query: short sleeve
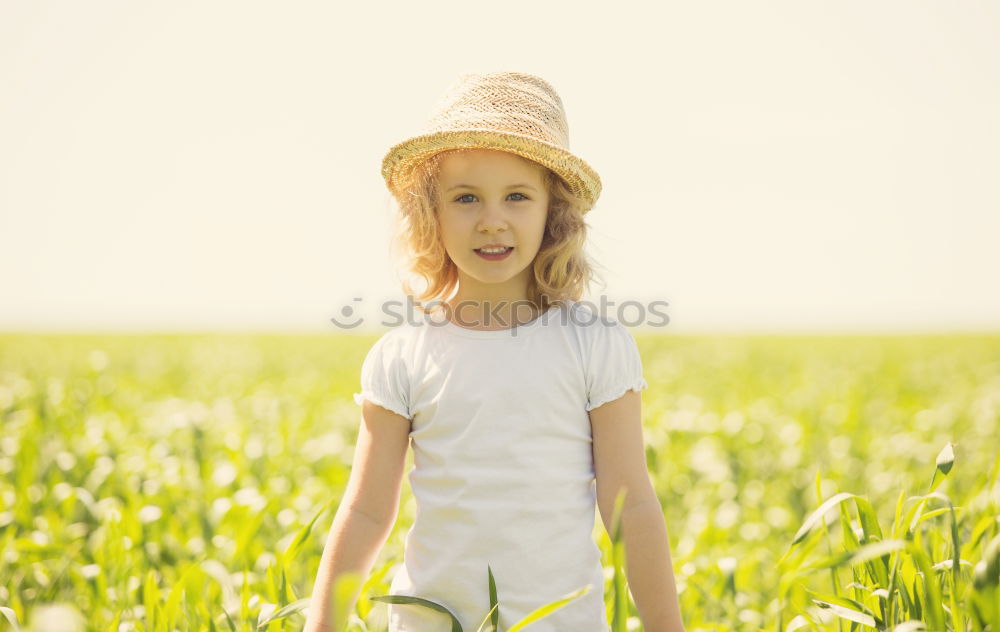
{"points": [[614, 365], [384, 378]]}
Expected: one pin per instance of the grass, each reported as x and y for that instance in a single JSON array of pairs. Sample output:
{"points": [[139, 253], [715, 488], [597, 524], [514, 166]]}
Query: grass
{"points": [[159, 483]]}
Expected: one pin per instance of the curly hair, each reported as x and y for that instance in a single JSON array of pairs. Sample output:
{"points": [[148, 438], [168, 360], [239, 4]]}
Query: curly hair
{"points": [[561, 269]]}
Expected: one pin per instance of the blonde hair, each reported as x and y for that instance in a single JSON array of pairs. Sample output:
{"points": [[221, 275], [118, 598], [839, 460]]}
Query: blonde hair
{"points": [[561, 269]]}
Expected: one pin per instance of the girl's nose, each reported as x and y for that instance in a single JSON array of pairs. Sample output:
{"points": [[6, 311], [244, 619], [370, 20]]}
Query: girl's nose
{"points": [[492, 218]]}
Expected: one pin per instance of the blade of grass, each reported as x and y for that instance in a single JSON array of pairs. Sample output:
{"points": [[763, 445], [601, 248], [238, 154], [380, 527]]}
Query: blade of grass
{"points": [[547, 609], [489, 615], [818, 514], [11, 617], [494, 606], [407, 599], [620, 604], [286, 611], [932, 592]]}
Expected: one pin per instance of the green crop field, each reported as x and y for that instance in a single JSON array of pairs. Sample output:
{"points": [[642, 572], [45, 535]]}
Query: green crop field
{"points": [[185, 482]]}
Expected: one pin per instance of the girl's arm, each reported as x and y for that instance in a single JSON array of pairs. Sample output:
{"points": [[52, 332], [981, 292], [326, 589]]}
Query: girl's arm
{"points": [[366, 513], [620, 463]]}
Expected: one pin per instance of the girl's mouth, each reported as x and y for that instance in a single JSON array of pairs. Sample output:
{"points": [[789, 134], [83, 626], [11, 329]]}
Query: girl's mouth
{"points": [[495, 256]]}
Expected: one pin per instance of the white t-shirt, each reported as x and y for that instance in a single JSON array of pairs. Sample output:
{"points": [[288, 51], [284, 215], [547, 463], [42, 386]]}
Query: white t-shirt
{"points": [[503, 471]]}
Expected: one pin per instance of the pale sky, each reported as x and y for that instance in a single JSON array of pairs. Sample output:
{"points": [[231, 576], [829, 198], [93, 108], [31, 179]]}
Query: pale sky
{"points": [[767, 166]]}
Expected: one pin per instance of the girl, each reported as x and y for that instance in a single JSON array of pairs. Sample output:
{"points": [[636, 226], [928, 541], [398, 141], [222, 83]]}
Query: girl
{"points": [[514, 396]]}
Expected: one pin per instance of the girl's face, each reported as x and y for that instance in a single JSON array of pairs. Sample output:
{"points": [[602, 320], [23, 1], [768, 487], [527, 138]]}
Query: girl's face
{"points": [[492, 197]]}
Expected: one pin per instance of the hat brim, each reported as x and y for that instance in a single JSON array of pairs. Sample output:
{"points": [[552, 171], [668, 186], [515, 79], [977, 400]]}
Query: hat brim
{"points": [[402, 158]]}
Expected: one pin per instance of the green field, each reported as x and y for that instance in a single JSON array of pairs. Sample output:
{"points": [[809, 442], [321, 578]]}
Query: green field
{"points": [[161, 483]]}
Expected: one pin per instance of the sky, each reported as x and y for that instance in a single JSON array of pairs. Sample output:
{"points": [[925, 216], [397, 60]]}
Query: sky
{"points": [[771, 166]]}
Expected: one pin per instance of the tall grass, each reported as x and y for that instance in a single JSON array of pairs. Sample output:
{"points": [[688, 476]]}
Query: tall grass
{"points": [[160, 483]]}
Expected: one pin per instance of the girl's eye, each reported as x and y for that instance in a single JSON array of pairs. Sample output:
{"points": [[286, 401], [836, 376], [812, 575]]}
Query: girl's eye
{"points": [[464, 195]]}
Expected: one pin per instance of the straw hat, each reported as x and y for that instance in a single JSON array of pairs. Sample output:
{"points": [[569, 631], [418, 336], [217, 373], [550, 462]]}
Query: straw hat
{"points": [[509, 111]]}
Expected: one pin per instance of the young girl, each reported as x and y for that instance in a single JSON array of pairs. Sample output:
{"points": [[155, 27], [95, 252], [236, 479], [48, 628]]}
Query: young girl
{"points": [[514, 396]]}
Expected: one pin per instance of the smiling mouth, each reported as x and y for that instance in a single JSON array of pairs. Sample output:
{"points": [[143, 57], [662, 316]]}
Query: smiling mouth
{"points": [[494, 256]]}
